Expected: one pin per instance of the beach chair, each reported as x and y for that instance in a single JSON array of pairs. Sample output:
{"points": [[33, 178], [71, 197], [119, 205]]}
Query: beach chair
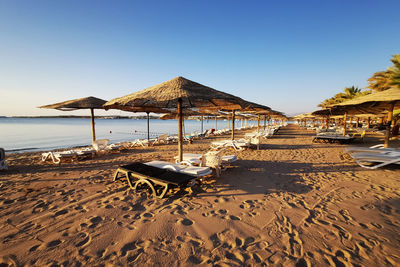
{"points": [[211, 159], [190, 170], [57, 156], [159, 180], [235, 144], [376, 160], [162, 139], [100, 145], [3, 163], [373, 149], [331, 138], [359, 135]]}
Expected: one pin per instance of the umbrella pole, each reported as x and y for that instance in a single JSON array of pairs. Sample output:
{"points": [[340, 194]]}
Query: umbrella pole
{"points": [[258, 123], [369, 121], [92, 123], [148, 126], [233, 124], [265, 121], [344, 123], [180, 137], [215, 122], [388, 125], [201, 124]]}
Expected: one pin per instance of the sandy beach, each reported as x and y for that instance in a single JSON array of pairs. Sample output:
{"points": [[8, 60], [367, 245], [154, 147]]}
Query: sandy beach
{"points": [[291, 203]]}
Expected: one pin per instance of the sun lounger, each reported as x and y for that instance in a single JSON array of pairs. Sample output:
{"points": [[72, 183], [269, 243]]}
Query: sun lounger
{"points": [[359, 135], [235, 144], [368, 159], [372, 149], [3, 164], [210, 159], [73, 154], [332, 138], [190, 170], [56, 157], [157, 179], [162, 139], [100, 145]]}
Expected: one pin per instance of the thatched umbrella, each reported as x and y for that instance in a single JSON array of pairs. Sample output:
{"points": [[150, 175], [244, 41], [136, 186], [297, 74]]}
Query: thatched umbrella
{"points": [[376, 103], [251, 107], [81, 103], [177, 94]]}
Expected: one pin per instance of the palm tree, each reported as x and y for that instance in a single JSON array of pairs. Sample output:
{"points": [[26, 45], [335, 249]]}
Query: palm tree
{"points": [[394, 71], [380, 81], [349, 93], [383, 80]]}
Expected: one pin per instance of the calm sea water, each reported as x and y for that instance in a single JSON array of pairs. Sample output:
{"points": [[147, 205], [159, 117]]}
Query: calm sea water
{"points": [[40, 134]]}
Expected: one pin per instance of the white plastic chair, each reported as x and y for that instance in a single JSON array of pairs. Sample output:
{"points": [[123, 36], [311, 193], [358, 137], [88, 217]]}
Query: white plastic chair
{"points": [[101, 145]]}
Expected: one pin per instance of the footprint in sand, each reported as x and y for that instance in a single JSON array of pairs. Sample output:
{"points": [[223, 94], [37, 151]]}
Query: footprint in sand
{"points": [[186, 222], [54, 243], [85, 239], [34, 248], [94, 222], [60, 212], [234, 218]]}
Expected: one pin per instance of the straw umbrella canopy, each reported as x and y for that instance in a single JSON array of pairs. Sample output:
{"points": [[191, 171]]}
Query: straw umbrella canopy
{"points": [[376, 103], [81, 103], [178, 94]]}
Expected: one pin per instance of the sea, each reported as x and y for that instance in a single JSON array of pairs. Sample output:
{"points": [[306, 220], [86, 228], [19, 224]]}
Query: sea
{"points": [[43, 134]]}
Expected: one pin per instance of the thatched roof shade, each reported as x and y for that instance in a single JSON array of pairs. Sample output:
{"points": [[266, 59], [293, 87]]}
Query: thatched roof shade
{"points": [[81, 103], [165, 96], [375, 102]]}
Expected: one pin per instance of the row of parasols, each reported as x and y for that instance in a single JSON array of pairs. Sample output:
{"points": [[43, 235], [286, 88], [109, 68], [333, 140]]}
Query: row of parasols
{"points": [[178, 97], [379, 104]]}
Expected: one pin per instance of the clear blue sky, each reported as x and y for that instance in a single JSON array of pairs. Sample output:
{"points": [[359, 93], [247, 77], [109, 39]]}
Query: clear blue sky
{"points": [[289, 55]]}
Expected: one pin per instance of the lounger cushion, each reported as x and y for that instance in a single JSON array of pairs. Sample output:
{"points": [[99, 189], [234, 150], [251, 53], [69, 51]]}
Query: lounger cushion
{"points": [[196, 171]]}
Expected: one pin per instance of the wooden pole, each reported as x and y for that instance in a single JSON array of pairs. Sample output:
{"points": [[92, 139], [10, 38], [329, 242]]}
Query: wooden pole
{"points": [[92, 123], [148, 126], [201, 124], [344, 123], [388, 125], [357, 122], [215, 122], [369, 122], [233, 125], [258, 123], [265, 121], [180, 136]]}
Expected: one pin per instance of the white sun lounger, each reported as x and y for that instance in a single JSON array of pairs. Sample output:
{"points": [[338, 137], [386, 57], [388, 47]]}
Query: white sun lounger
{"points": [[191, 170], [236, 144], [100, 145], [372, 149], [57, 156], [379, 159], [210, 159]]}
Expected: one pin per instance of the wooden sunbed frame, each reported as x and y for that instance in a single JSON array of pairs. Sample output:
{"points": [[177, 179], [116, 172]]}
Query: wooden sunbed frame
{"points": [[138, 173], [331, 139]]}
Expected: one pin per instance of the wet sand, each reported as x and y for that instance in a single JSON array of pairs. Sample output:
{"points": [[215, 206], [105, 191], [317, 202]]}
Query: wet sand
{"points": [[291, 203]]}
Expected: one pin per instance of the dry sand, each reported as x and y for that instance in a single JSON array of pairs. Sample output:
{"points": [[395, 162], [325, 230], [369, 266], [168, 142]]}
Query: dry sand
{"points": [[291, 203]]}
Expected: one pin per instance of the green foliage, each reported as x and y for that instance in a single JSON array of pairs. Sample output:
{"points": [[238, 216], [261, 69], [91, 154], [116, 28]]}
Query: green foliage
{"points": [[380, 81], [395, 71], [348, 93], [383, 80]]}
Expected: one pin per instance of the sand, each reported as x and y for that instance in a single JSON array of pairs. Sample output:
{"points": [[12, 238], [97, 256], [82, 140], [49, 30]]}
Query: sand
{"points": [[291, 203]]}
